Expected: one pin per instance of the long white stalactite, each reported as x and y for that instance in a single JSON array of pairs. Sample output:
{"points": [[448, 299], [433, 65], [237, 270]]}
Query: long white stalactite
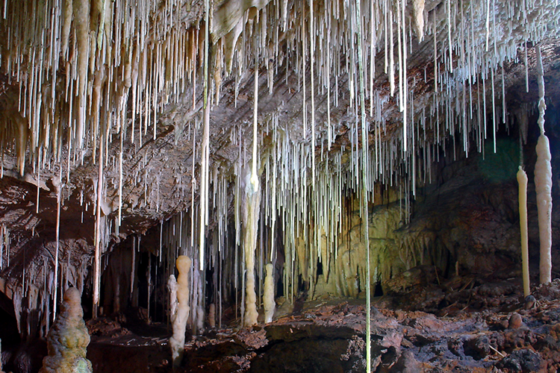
{"points": [[97, 255], [204, 156], [58, 187]]}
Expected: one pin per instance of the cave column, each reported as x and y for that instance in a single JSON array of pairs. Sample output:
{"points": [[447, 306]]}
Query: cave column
{"points": [[543, 184]]}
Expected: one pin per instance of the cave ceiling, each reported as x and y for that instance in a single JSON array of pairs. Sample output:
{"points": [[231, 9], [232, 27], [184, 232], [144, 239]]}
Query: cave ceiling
{"points": [[125, 80]]}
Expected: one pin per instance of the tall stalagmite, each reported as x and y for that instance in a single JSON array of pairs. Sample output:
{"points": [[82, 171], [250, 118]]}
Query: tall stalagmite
{"points": [[181, 307], [68, 339], [251, 209], [268, 299], [522, 180]]}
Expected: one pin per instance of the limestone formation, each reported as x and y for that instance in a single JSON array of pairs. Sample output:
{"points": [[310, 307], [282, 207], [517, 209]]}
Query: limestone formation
{"points": [[251, 207], [181, 307], [269, 304], [68, 339], [543, 184]]}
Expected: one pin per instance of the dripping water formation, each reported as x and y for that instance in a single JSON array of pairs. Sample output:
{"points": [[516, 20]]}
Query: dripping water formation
{"points": [[279, 185]]}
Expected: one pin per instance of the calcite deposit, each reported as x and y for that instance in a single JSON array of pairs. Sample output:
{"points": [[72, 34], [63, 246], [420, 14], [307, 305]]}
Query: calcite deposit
{"points": [[68, 339]]}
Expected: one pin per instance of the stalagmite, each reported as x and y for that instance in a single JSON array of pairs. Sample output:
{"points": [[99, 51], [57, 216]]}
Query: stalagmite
{"points": [[543, 184], [179, 318], [522, 180], [251, 210], [68, 339], [199, 311], [172, 289], [268, 300], [212, 316]]}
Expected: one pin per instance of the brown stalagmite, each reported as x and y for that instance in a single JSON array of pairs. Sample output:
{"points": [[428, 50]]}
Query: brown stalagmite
{"points": [[180, 308], [68, 339]]}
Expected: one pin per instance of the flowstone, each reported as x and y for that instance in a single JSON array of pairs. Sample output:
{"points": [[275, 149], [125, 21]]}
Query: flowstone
{"points": [[68, 339]]}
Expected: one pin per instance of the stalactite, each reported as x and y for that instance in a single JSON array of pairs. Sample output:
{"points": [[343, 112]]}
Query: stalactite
{"points": [[205, 142], [312, 63], [58, 200], [97, 256], [418, 12], [81, 10]]}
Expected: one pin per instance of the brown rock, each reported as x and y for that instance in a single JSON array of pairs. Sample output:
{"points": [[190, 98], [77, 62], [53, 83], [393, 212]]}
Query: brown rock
{"points": [[515, 321]]}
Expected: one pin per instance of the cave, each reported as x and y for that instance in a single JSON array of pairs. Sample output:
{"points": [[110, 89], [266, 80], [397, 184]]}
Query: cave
{"points": [[279, 186]]}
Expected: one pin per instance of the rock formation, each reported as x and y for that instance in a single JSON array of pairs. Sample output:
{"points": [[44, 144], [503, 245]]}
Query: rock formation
{"points": [[181, 308], [68, 338], [268, 297]]}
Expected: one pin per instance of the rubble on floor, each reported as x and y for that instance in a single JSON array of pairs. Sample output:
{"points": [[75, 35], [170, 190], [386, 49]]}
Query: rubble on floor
{"points": [[473, 325]]}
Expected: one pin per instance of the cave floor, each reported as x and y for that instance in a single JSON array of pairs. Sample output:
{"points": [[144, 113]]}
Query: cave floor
{"points": [[465, 326]]}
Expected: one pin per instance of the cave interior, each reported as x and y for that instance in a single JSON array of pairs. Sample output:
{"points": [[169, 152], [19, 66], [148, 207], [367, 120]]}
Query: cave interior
{"points": [[345, 177]]}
